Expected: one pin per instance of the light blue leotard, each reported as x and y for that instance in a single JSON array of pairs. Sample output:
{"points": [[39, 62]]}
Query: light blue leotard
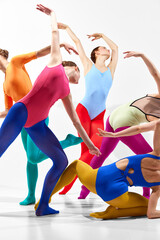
{"points": [[97, 85]]}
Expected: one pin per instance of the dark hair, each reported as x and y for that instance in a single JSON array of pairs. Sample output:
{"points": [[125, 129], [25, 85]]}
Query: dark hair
{"points": [[69, 64], [4, 53], [93, 54]]}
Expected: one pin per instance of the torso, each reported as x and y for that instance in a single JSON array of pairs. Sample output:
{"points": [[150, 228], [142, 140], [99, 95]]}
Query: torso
{"points": [[17, 81], [98, 85], [52, 84], [142, 110], [150, 168]]}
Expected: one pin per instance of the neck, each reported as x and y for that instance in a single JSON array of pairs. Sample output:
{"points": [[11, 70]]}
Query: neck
{"points": [[100, 61], [3, 64]]}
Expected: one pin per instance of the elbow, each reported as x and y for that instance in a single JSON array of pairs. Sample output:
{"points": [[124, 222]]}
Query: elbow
{"points": [[77, 41], [150, 214], [138, 129], [157, 124]]}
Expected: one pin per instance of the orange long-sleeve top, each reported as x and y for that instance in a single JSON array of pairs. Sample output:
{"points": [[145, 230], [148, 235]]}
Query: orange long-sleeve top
{"points": [[17, 81]]}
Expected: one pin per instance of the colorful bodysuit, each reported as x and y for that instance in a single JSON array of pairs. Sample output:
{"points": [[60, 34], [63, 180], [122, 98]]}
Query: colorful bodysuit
{"points": [[91, 110], [98, 85], [126, 115], [43, 95], [111, 181], [17, 81]]}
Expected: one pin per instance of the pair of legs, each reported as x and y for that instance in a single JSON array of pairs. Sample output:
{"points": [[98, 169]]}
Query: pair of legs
{"points": [[136, 143], [35, 156], [45, 140], [128, 204], [91, 128]]}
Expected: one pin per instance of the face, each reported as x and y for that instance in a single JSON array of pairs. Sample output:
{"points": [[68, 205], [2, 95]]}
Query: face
{"points": [[74, 74], [103, 51]]}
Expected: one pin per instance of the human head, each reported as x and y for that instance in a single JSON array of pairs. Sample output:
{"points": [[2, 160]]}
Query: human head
{"points": [[100, 51], [4, 53], [72, 71]]}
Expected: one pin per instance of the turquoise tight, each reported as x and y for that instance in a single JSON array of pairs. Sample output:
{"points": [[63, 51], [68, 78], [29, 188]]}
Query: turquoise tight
{"points": [[35, 156]]}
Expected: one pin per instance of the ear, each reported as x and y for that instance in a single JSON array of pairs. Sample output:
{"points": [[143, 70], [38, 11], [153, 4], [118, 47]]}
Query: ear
{"points": [[76, 68], [97, 52]]}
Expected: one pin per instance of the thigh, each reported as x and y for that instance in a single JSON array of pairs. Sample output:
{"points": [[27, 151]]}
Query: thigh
{"points": [[45, 139], [24, 136], [34, 154], [84, 118], [85, 122], [129, 200], [96, 123], [12, 125], [137, 144]]}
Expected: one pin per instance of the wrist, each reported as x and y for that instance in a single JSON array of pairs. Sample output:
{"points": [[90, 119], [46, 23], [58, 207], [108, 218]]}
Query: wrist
{"points": [[142, 55]]}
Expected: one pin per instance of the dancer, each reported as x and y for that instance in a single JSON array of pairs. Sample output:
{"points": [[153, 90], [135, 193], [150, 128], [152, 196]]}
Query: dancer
{"points": [[135, 112], [111, 182], [16, 85], [32, 110], [98, 79]]}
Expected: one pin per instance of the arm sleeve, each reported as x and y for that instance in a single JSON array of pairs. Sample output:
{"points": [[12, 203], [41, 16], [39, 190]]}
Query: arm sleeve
{"points": [[24, 58], [8, 101]]}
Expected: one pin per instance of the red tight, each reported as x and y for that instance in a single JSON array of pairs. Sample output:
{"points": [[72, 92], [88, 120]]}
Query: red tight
{"points": [[91, 128]]}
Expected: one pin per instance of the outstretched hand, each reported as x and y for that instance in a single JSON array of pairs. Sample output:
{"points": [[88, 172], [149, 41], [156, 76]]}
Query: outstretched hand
{"points": [[44, 9], [95, 36], [69, 48], [132, 54], [103, 133], [95, 151], [62, 26]]}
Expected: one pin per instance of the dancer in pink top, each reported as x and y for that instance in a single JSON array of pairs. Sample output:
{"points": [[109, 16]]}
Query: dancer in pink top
{"points": [[32, 110]]}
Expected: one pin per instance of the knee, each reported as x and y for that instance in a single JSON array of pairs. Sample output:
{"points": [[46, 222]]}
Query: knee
{"points": [[32, 158], [62, 165]]}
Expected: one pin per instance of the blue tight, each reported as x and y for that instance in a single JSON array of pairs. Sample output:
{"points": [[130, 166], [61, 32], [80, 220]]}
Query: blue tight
{"points": [[45, 139]]}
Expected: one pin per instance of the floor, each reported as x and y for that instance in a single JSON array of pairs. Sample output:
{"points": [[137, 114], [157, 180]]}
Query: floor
{"points": [[73, 221]]}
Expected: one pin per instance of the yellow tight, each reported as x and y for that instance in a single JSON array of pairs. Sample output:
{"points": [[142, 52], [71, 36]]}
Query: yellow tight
{"points": [[86, 174], [128, 204]]}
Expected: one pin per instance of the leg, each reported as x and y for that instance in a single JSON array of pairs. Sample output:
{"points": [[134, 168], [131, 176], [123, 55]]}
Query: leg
{"points": [[127, 205], [107, 146], [85, 173], [34, 156], [138, 145], [70, 140], [12, 125], [86, 123], [48, 143]]}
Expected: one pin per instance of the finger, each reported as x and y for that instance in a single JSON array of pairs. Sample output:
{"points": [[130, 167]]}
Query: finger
{"points": [[75, 51], [126, 52]]}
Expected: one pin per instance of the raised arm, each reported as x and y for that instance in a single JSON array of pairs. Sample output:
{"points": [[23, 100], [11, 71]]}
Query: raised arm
{"points": [[114, 54], [134, 130], [87, 63], [55, 57], [67, 101], [44, 51], [151, 67], [152, 212]]}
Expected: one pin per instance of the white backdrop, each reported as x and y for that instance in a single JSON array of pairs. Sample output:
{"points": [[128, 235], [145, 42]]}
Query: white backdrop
{"points": [[132, 25]]}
